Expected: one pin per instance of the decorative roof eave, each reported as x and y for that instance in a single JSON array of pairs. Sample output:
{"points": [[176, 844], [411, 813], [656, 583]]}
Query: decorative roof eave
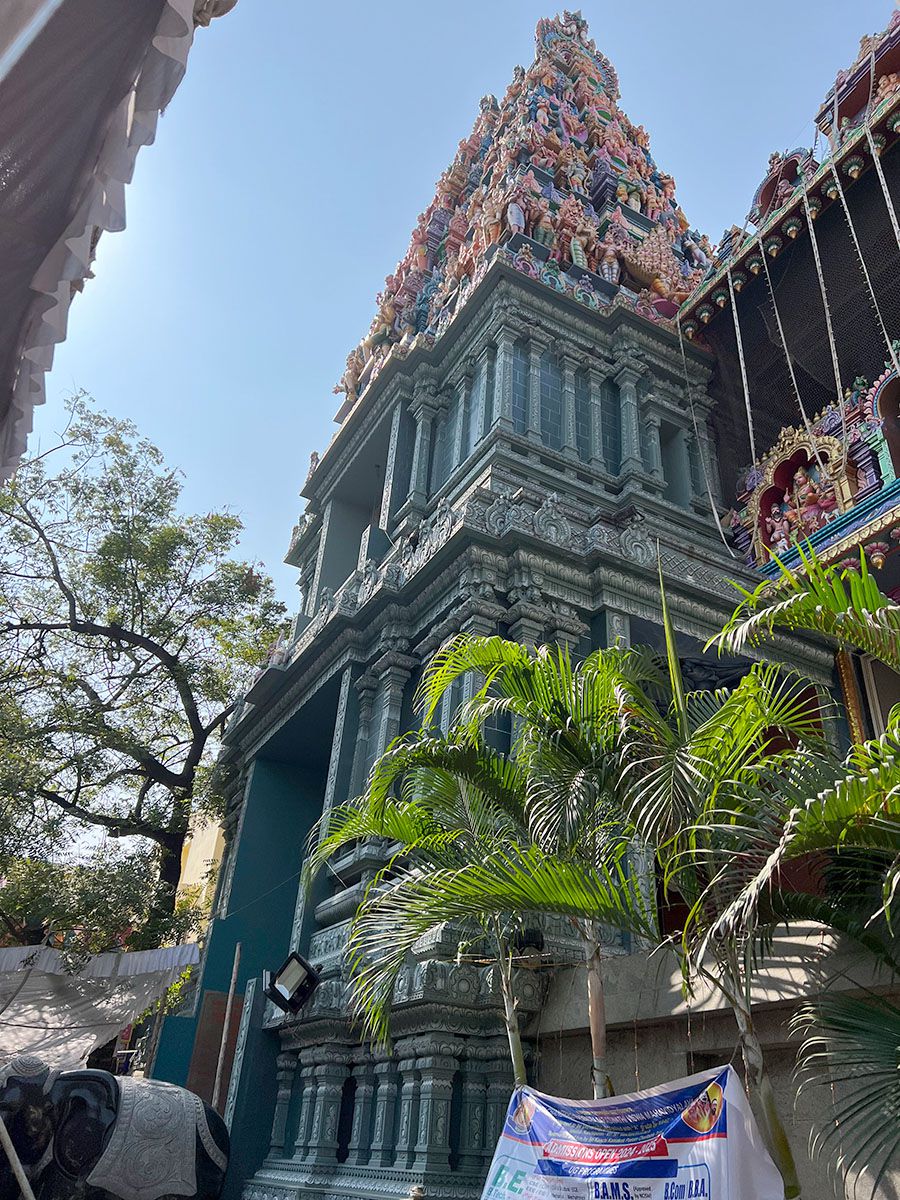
{"points": [[97, 204], [852, 159]]}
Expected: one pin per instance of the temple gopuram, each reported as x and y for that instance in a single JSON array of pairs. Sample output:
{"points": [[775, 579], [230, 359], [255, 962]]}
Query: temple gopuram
{"points": [[564, 383]]}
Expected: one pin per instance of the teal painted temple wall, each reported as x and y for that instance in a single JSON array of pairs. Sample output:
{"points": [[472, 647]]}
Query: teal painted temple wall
{"points": [[282, 803]]}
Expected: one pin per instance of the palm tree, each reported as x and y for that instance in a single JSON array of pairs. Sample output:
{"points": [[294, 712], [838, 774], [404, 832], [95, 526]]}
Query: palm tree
{"points": [[851, 1043], [462, 854], [567, 723], [695, 770]]}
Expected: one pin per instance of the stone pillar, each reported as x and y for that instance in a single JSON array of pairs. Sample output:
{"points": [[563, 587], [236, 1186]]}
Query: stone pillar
{"points": [[331, 1070], [360, 1140], [286, 1067], [307, 1075], [408, 1127], [382, 1150], [654, 450], [366, 687], [461, 391], [422, 409], [569, 442], [709, 466], [391, 467], [436, 1071], [627, 379], [598, 455], [498, 1075], [393, 670], [536, 348], [503, 390], [618, 628], [474, 1093]]}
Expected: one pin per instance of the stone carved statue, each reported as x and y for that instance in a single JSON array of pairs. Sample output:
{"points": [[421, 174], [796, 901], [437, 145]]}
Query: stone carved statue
{"points": [[89, 1135]]}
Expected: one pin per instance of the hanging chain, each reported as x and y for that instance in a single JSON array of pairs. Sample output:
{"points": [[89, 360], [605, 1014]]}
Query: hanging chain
{"points": [[740, 347], [699, 441], [828, 329]]}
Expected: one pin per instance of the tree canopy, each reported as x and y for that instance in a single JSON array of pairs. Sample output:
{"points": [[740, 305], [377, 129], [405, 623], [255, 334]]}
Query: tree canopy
{"points": [[127, 629]]}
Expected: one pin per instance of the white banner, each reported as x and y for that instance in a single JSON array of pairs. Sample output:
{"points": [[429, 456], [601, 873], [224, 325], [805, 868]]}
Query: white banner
{"points": [[693, 1139]]}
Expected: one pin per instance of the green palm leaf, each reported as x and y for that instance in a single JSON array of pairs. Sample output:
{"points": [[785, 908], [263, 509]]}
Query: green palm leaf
{"points": [[851, 1049]]}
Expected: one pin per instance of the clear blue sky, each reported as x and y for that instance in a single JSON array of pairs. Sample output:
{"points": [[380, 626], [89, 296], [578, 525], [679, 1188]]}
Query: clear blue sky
{"points": [[292, 163]]}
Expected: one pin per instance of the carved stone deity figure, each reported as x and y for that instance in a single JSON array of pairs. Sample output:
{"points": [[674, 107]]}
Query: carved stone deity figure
{"points": [[544, 228], [515, 216], [813, 504], [609, 267], [778, 528]]}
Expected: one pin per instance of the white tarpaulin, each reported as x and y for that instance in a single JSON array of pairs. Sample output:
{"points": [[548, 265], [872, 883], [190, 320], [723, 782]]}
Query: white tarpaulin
{"points": [[62, 1016], [693, 1139]]}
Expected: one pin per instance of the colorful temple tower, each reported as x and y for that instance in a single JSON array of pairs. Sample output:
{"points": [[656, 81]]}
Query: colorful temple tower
{"points": [[523, 433]]}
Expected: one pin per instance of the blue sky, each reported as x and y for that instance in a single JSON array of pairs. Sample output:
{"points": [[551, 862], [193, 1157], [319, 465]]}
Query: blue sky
{"points": [[288, 174]]}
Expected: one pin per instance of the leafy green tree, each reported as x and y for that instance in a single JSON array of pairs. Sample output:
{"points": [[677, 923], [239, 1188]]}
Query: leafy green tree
{"points": [[127, 628], [96, 903]]}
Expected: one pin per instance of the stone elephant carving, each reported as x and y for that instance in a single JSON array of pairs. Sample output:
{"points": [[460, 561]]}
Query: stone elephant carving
{"points": [[89, 1135]]}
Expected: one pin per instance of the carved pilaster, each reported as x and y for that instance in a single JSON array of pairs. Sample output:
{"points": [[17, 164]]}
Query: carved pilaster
{"points": [[360, 1139], [536, 348], [498, 1075], [627, 379], [330, 1072], [307, 1084], [394, 669], [382, 1151], [503, 387], [436, 1071], [654, 450], [569, 442], [474, 1095], [408, 1125], [366, 687], [595, 382], [286, 1066], [462, 392], [423, 410], [618, 628]]}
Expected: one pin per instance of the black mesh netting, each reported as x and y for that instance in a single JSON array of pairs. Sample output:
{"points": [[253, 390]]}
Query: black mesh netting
{"points": [[860, 345]]}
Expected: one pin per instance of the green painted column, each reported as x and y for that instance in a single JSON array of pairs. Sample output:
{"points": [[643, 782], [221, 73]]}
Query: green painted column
{"points": [[382, 1151], [436, 1069], [360, 1139], [408, 1124], [307, 1076]]}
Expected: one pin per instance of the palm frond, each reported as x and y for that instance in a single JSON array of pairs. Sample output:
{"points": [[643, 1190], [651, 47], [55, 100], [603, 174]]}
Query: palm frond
{"points": [[507, 885], [843, 604], [851, 1050]]}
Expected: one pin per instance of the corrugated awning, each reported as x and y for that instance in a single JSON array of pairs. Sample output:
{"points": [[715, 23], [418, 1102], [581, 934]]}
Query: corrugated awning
{"points": [[82, 84]]}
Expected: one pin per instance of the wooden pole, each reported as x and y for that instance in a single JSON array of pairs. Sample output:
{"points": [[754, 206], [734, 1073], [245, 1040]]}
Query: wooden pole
{"points": [[21, 1178], [225, 1027]]}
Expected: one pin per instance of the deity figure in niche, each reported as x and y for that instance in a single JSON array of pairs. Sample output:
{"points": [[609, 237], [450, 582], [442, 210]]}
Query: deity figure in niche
{"points": [[778, 528], [515, 217], [811, 503]]}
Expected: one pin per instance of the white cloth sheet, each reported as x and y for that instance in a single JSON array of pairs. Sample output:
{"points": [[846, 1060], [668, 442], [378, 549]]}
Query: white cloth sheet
{"points": [[62, 1017]]}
